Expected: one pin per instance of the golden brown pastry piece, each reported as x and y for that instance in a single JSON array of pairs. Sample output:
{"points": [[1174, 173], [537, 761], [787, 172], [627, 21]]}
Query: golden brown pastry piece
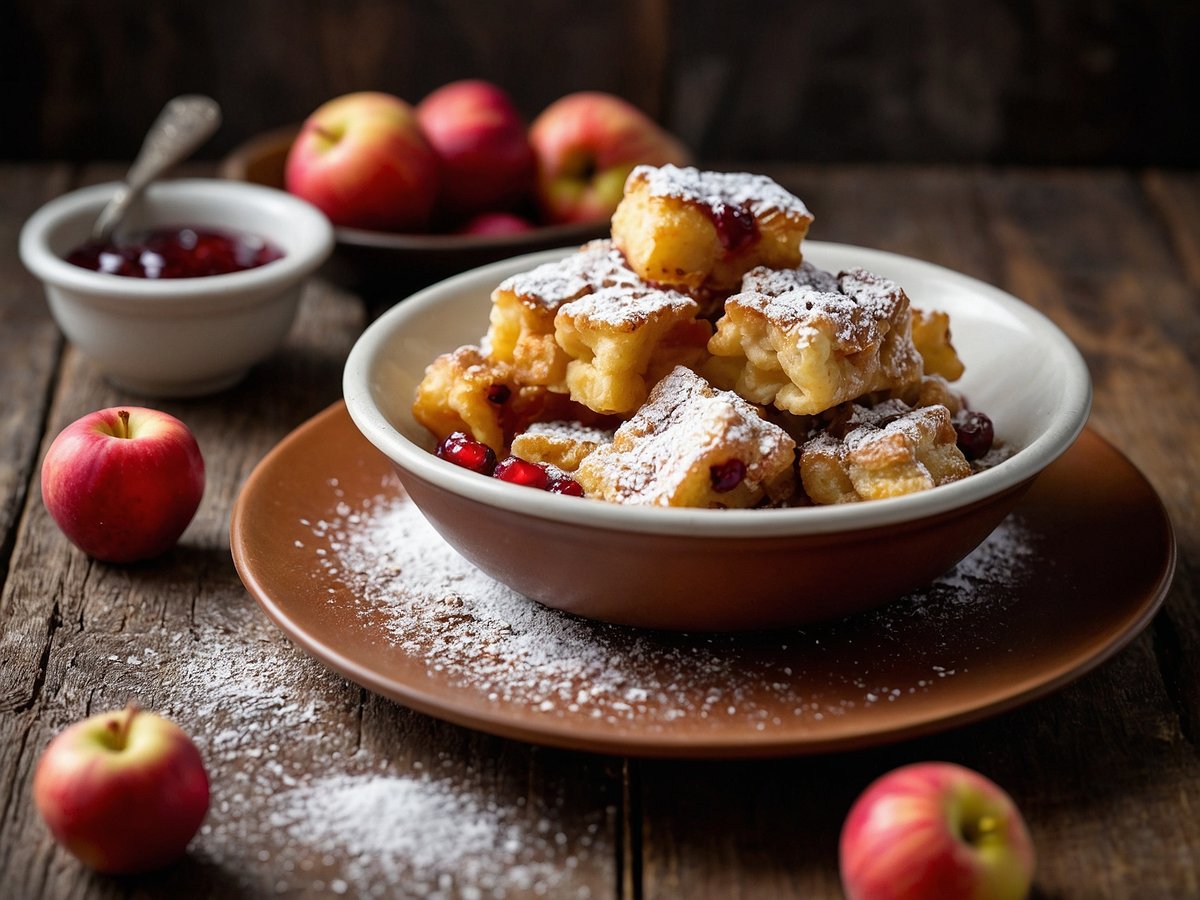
{"points": [[930, 390], [699, 231], [620, 341], [805, 340], [931, 335], [521, 330], [886, 451], [692, 445], [561, 444], [466, 391]]}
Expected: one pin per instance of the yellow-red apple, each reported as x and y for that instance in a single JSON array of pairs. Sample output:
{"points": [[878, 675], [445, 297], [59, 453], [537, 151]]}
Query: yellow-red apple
{"points": [[124, 791], [123, 483], [482, 147], [362, 160], [935, 831], [586, 145]]}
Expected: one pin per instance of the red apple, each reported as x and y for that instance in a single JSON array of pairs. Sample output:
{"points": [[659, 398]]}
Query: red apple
{"points": [[496, 223], [586, 146], [935, 831], [124, 791], [363, 161], [482, 146], [123, 483]]}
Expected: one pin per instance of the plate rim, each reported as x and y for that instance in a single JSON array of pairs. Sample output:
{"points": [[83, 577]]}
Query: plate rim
{"points": [[625, 741]]}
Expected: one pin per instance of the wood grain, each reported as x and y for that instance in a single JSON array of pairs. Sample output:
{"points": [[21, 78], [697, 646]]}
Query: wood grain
{"points": [[1081, 81], [29, 345]]}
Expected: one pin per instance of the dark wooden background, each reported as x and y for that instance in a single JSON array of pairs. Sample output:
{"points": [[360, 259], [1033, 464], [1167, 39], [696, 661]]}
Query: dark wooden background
{"points": [[1092, 82]]}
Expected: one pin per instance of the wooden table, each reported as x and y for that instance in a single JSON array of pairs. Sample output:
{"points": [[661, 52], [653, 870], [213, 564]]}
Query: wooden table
{"points": [[1106, 770]]}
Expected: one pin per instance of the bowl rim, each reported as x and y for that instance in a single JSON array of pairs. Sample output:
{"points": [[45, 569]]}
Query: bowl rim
{"points": [[309, 231], [1065, 426]]}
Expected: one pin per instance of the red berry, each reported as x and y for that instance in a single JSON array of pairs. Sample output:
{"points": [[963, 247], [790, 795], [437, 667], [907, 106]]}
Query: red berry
{"points": [[467, 452], [561, 483], [975, 433], [518, 471], [727, 475]]}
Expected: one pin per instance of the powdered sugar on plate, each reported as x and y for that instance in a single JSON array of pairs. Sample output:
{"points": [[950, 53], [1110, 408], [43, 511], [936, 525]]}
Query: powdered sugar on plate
{"points": [[484, 639]]}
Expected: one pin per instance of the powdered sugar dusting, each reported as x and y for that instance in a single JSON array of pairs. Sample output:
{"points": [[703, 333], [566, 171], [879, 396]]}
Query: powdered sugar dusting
{"points": [[779, 281], [758, 193], [347, 820], [424, 835], [507, 651], [622, 308], [685, 426], [597, 264], [857, 308]]}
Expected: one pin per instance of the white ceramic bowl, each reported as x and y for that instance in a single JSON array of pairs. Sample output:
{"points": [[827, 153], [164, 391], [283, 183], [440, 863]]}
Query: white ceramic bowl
{"points": [[181, 336], [703, 568]]}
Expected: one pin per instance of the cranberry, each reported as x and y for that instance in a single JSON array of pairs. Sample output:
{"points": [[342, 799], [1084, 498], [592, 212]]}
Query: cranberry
{"points": [[736, 227], [975, 433], [467, 452], [561, 483], [515, 470], [176, 252], [499, 394], [727, 475]]}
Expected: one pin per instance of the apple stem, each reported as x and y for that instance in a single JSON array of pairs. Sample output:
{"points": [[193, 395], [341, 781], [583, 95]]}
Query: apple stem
{"points": [[123, 427], [119, 727]]}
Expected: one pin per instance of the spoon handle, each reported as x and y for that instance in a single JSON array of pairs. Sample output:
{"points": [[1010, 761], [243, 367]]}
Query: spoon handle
{"points": [[184, 124]]}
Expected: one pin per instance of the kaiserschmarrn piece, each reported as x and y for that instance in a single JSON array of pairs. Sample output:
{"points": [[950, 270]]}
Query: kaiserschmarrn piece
{"points": [[805, 340], [930, 390], [701, 231], [561, 444], [931, 336], [466, 391], [620, 341], [886, 451], [521, 330], [692, 445]]}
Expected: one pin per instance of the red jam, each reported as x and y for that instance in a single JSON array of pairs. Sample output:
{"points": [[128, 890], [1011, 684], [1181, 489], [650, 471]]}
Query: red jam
{"points": [[727, 475], [736, 226], [177, 252]]}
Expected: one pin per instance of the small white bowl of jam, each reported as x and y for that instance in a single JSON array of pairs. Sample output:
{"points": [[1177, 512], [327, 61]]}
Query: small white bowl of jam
{"points": [[201, 282]]}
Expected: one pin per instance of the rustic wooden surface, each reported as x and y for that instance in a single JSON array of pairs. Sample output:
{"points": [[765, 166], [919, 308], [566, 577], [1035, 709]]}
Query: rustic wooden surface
{"points": [[1107, 770]]}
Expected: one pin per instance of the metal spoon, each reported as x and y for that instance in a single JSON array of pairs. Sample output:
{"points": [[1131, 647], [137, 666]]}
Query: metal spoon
{"points": [[184, 124]]}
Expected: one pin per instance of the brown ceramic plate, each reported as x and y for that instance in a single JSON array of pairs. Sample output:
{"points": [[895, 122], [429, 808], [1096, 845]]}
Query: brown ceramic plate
{"points": [[327, 542], [403, 262]]}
